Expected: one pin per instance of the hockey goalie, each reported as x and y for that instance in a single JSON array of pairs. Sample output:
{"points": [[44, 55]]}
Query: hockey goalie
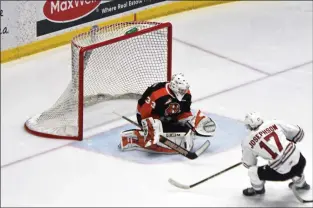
{"points": [[164, 109]]}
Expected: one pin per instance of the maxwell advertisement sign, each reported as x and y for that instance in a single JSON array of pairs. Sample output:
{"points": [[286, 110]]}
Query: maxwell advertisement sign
{"points": [[68, 11], [63, 14]]}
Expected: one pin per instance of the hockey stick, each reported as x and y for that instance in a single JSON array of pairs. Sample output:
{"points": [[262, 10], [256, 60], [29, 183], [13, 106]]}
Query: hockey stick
{"points": [[174, 146], [195, 130], [298, 197], [182, 186]]}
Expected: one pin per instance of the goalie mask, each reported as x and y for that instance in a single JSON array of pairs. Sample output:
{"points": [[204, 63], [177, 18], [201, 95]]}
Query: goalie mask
{"points": [[179, 86]]}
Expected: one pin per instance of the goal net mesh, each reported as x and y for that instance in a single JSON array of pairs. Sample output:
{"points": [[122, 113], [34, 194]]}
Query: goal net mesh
{"points": [[118, 69]]}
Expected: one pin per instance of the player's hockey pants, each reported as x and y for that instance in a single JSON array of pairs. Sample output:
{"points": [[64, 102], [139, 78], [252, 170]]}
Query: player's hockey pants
{"points": [[266, 173]]}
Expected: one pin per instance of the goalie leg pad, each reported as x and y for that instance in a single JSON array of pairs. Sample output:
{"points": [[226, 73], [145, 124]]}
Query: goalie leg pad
{"points": [[181, 138], [184, 140], [189, 140], [130, 139], [134, 139]]}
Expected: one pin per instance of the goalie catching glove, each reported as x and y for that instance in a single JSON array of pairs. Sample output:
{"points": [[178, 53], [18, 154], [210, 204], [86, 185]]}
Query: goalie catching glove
{"points": [[201, 125]]}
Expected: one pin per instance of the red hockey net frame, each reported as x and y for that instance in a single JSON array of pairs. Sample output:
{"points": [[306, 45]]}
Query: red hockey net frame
{"points": [[83, 50]]}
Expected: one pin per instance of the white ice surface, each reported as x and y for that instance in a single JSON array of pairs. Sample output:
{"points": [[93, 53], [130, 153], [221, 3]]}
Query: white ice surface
{"points": [[269, 36]]}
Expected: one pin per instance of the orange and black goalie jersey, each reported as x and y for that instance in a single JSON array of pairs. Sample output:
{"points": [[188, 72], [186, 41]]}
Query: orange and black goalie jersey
{"points": [[159, 102]]}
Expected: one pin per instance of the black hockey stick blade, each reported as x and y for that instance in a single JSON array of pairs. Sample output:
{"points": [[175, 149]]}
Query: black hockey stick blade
{"points": [[182, 186], [298, 197]]}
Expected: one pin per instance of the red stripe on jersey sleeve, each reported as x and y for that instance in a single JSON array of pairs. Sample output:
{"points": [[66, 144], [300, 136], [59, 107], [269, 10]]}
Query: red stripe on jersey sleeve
{"points": [[159, 93], [144, 110]]}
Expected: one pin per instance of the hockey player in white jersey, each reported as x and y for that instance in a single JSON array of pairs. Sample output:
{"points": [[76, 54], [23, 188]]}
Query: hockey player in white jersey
{"points": [[274, 141]]}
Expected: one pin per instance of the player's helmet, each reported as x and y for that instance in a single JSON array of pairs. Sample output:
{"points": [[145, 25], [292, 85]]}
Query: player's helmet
{"points": [[179, 85], [253, 120]]}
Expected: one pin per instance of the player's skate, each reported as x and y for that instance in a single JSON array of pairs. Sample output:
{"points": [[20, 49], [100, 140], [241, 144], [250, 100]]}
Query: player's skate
{"points": [[300, 183], [305, 186], [252, 192]]}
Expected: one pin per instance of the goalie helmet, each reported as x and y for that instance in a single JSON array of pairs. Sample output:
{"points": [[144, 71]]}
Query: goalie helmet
{"points": [[179, 85], [253, 120]]}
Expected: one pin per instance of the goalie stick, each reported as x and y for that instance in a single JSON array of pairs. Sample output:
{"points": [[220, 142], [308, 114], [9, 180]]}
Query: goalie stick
{"points": [[174, 146], [182, 186], [195, 130], [298, 197]]}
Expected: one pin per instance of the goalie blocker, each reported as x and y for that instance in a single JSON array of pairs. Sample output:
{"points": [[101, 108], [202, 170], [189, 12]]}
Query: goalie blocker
{"points": [[164, 109]]}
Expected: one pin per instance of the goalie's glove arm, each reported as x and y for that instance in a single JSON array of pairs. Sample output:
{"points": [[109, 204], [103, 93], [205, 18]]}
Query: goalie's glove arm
{"points": [[200, 124]]}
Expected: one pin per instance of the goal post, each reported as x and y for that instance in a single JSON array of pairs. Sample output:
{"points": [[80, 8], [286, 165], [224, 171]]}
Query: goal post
{"points": [[113, 62]]}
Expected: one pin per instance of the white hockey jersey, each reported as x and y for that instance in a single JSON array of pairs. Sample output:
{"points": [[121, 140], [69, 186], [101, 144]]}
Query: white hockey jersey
{"points": [[273, 141]]}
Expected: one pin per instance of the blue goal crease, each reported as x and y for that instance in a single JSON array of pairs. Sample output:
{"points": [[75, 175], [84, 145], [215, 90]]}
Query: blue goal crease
{"points": [[229, 133]]}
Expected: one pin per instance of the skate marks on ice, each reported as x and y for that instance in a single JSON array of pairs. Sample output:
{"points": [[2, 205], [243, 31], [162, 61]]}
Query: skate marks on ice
{"points": [[229, 133]]}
